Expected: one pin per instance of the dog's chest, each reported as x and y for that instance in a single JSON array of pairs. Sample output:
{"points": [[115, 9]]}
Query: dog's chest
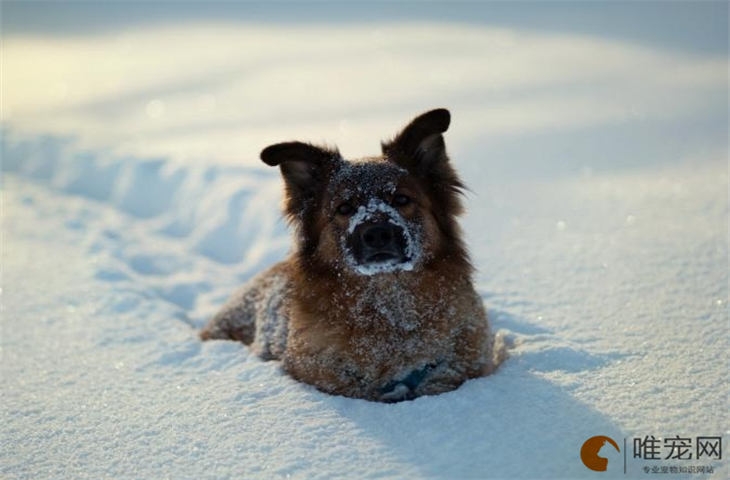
{"points": [[377, 321], [389, 307]]}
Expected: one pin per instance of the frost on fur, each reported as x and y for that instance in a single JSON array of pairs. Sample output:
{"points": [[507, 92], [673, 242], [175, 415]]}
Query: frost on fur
{"points": [[411, 233], [376, 301], [255, 315]]}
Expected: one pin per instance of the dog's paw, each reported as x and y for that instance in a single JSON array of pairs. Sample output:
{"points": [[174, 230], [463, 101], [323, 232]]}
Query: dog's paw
{"points": [[406, 387]]}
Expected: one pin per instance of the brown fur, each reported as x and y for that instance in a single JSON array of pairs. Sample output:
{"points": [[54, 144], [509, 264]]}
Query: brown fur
{"points": [[359, 335]]}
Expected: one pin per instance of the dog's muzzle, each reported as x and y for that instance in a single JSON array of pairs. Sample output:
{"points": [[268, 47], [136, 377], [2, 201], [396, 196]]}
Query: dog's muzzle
{"points": [[380, 242]]}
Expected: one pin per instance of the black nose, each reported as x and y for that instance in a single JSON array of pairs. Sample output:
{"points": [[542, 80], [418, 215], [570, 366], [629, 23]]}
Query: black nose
{"points": [[377, 236], [378, 242]]}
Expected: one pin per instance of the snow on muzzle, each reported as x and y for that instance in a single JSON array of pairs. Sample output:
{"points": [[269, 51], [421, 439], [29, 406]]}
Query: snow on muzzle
{"points": [[380, 240]]}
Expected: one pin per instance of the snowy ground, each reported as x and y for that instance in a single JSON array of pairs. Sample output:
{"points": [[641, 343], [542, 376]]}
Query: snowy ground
{"points": [[133, 204]]}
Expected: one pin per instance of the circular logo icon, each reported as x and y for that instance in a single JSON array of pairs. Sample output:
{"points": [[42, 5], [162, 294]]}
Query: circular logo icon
{"points": [[589, 452]]}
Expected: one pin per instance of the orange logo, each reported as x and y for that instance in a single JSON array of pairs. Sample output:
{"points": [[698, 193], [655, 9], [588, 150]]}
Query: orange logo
{"points": [[589, 453]]}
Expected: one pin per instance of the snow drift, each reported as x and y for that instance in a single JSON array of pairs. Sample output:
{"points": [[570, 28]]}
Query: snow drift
{"points": [[600, 241]]}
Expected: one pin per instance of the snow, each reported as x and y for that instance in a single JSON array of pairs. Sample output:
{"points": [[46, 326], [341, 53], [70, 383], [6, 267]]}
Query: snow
{"points": [[133, 206], [411, 234]]}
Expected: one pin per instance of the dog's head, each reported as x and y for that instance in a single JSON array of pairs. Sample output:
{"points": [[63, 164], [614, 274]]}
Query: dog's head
{"points": [[395, 212]]}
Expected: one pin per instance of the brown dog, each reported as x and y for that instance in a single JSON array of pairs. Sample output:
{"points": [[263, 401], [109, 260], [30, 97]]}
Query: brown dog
{"points": [[377, 300]]}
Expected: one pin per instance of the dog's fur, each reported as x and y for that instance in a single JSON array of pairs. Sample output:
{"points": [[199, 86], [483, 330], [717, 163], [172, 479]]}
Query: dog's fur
{"points": [[412, 325]]}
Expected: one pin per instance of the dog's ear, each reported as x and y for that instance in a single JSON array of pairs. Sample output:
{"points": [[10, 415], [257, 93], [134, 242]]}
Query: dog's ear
{"points": [[305, 168], [420, 149], [420, 146]]}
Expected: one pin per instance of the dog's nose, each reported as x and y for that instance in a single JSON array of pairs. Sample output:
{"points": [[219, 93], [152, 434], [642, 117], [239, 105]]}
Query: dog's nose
{"points": [[378, 242], [377, 236]]}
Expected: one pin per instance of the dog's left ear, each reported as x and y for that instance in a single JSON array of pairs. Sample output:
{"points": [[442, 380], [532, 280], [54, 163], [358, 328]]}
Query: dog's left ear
{"points": [[420, 146]]}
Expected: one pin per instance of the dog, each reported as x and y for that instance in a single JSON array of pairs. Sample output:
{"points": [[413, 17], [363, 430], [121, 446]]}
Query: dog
{"points": [[376, 301]]}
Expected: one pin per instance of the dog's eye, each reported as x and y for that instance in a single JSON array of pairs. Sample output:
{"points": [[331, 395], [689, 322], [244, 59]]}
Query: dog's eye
{"points": [[401, 200], [345, 209]]}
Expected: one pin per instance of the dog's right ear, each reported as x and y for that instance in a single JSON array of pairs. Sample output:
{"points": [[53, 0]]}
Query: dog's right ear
{"points": [[419, 147], [305, 169]]}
